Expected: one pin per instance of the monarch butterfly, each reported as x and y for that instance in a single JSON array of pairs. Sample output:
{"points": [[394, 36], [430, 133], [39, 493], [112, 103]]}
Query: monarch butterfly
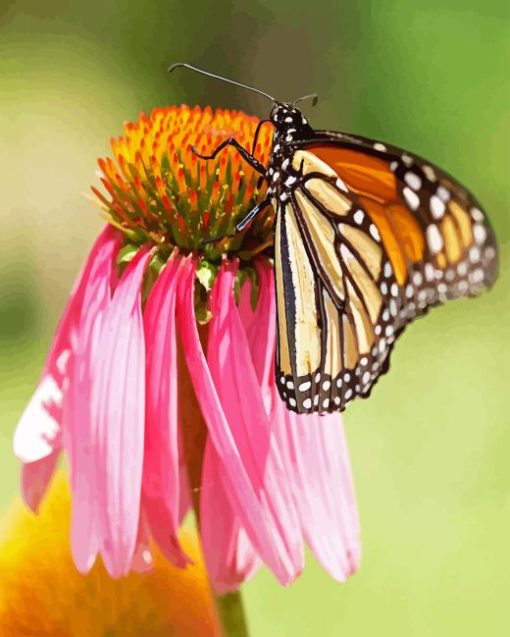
{"points": [[368, 237]]}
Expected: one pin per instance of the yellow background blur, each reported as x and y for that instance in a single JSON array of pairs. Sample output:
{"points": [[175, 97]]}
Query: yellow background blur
{"points": [[431, 447]]}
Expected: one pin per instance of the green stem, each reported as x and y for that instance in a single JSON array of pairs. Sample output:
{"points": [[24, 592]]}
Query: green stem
{"points": [[232, 616], [230, 608]]}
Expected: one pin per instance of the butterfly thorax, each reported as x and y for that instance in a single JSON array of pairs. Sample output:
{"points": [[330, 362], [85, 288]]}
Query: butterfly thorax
{"points": [[290, 126]]}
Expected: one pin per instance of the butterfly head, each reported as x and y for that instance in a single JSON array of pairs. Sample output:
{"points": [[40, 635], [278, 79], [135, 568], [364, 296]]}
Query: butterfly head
{"points": [[289, 122]]}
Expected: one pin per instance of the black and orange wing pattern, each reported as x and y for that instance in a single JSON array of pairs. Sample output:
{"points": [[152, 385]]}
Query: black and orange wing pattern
{"points": [[368, 237]]}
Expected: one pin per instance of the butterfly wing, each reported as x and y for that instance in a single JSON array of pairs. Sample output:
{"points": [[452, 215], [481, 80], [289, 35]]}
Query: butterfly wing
{"points": [[369, 238]]}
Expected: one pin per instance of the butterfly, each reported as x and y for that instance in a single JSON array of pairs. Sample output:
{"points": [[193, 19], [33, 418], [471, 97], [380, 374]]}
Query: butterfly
{"points": [[368, 237]]}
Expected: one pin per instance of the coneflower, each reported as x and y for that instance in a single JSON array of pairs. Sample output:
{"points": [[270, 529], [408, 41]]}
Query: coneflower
{"points": [[160, 384]]}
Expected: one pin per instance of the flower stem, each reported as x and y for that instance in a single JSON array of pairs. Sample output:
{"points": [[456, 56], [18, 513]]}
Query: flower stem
{"points": [[229, 607], [232, 616]]}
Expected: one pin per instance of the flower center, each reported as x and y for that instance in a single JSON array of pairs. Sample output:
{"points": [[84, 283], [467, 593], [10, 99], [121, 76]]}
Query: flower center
{"points": [[158, 190]]}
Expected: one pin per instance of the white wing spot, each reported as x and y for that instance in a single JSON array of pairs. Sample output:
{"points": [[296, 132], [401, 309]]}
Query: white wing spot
{"points": [[359, 215], [307, 403], [429, 173], [477, 214], [462, 268], [443, 193], [476, 276], [429, 272], [479, 233], [474, 254], [434, 238], [412, 198], [375, 232], [437, 207], [379, 146], [305, 386], [340, 185], [413, 180]]}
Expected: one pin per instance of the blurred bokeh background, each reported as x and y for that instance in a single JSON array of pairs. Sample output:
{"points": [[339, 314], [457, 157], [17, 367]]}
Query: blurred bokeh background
{"points": [[430, 448]]}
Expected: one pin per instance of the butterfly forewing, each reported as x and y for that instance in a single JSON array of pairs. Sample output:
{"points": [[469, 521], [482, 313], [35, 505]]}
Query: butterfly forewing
{"points": [[367, 239]]}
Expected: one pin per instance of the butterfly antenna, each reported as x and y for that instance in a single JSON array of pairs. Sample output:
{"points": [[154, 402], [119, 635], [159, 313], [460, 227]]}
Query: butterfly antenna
{"points": [[219, 77], [313, 96]]}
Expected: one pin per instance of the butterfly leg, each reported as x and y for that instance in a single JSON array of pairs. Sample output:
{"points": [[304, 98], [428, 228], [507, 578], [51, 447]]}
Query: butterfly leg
{"points": [[244, 221], [256, 136], [252, 214], [231, 141]]}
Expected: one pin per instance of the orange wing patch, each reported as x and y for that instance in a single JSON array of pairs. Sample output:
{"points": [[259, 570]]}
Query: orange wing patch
{"points": [[376, 186], [363, 173]]}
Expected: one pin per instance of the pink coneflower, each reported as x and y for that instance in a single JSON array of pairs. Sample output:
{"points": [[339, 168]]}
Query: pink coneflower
{"points": [[160, 385]]}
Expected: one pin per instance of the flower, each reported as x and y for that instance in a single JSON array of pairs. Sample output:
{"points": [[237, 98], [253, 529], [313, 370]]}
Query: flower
{"points": [[159, 384], [43, 594]]}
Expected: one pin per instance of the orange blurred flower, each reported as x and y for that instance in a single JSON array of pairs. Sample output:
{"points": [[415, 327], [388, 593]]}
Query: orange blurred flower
{"points": [[43, 594]]}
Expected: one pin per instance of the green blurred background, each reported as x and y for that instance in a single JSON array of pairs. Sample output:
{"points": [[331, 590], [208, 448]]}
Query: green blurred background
{"points": [[430, 449]]}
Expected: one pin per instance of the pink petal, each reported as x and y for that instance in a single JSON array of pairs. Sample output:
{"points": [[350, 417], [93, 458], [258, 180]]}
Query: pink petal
{"points": [[252, 472], [318, 465], [260, 326], [314, 448], [161, 475], [80, 423], [118, 404], [143, 559], [228, 553], [39, 432], [35, 478]]}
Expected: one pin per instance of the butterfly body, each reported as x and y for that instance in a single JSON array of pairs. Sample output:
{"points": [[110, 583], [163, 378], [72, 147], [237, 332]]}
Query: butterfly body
{"points": [[367, 238]]}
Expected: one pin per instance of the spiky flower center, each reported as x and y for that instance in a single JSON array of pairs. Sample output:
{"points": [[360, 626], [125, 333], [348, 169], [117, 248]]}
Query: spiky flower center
{"points": [[158, 190]]}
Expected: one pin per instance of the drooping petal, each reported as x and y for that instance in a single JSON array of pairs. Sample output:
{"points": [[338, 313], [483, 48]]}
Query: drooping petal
{"points": [[313, 447], [143, 560], [228, 553], [317, 462], [161, 474], [118, 404], [35, 478], [80, 422], [39, 432], [260, 326], [252, 475]]}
